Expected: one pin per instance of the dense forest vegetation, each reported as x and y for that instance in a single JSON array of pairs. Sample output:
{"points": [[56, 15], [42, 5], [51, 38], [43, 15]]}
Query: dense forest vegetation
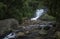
{"points": [[20, 9]]}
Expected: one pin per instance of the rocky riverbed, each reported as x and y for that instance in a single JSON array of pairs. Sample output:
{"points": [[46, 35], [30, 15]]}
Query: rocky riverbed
{"points": [[36, 30], [43, 30]]}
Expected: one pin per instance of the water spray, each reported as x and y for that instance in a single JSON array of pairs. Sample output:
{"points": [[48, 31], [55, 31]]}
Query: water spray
{"points": [[11, 35], [39, 13]]}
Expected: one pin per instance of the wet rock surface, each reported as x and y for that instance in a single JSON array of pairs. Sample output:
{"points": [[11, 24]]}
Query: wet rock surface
{"points": [[39, 30], [8, 24]]}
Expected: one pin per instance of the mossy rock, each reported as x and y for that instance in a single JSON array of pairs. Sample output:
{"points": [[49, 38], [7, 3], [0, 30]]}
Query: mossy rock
{"points": [[58, 34]]}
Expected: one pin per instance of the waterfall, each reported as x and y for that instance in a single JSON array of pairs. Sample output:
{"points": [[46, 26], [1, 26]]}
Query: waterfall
{"points": [[38, 13]]}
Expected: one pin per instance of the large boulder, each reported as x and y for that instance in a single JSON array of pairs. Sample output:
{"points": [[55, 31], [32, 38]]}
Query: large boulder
{"points": [[8, 24]]}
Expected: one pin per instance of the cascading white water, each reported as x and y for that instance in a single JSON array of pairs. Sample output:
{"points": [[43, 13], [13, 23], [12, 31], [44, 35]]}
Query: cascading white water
{"points": [[39, 12], [11, 35]]}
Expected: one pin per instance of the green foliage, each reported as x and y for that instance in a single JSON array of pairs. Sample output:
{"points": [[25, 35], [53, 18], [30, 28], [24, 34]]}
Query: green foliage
{"points": [[2, 10], [53, 6], [48, 17], [20, 9]]}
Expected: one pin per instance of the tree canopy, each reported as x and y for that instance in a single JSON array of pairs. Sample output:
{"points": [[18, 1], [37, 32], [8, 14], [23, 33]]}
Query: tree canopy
{"points": [[20, 9]]}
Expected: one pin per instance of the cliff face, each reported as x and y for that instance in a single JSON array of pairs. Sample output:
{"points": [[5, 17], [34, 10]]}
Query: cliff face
{"points": [[8, 24]]}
